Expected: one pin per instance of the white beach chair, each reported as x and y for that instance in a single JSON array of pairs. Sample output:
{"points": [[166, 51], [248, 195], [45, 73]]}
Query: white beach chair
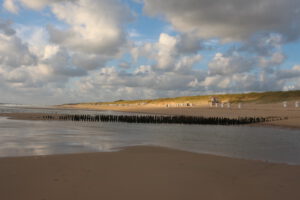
{"points": [[228, 105], [284, 104], [239, 105]]}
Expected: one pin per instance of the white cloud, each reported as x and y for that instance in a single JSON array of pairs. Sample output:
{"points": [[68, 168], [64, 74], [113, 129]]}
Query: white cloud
{"points": [[148, 50], [39, 4], [170, 52], [125, 65], [62, 65], [133, 33], [232, 64], [88, 58], [263, 44], [11, 6], [95, 26], [166, 51], [89, 61], [186, 63], [14, 53], [276, 59], [287, 74], [5, 28]]}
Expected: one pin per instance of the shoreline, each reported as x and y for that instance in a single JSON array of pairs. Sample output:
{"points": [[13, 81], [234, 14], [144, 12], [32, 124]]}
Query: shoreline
{"points": [[146, 172]]}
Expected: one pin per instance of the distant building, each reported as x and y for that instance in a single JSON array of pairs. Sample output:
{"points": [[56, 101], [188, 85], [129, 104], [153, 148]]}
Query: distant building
{"points": [[214, 101]]}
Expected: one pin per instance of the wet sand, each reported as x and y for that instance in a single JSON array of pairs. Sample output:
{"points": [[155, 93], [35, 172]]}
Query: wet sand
{"points": [[293, 115], [247, 110], [145, 173]]}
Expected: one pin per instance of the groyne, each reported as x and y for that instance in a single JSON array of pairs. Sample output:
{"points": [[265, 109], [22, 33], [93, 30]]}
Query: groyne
{"points": [[158, 119]]}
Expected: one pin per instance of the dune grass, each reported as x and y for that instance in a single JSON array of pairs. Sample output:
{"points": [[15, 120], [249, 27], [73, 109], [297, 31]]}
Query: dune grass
{"points": [[253, 97]]}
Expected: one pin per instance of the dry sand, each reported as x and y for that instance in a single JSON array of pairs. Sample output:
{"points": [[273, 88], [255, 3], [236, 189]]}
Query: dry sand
{"points": [[144, 173]]}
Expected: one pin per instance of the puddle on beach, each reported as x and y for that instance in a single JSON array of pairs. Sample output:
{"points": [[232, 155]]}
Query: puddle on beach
{"points": [[23, 138]]}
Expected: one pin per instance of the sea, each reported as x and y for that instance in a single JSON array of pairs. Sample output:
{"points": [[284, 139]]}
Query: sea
{"points": [[30, 138]]}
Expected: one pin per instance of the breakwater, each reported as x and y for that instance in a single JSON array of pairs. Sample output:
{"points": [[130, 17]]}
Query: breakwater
{"points": [[157, 119]]}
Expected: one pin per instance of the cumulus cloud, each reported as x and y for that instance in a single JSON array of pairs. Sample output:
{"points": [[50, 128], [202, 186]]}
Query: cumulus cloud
{"points": [[262, 52], [166, 51], [93, 35], [30, 67], [230, 20], [240, 82], [276, 59], [170, 52], [14, 53], [95, 27], [263, 44], [233, 64], [189, 44], [5, 28], [11, 6], [93, 56], [62, 65], [89, 61], [289, 73], [170, 73], [144, 82], [39, 4], [125, 65], [143, 50]]}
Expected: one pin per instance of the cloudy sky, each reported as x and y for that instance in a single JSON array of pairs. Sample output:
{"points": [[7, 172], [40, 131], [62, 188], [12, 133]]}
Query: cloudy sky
{"points": [[58, 51]]}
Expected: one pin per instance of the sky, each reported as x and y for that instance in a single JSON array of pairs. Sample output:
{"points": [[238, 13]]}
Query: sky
{"points": [[68, 51]]}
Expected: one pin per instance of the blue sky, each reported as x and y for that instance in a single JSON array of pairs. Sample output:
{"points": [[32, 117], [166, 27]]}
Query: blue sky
{"points": [[82, 50]]}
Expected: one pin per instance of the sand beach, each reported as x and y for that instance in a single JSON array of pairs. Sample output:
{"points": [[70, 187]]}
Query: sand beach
{"points": [[148, 172], [145, 173], [149, 100]]}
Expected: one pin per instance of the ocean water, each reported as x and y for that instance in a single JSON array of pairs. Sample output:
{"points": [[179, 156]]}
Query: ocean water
{"points": [[25, 138]]}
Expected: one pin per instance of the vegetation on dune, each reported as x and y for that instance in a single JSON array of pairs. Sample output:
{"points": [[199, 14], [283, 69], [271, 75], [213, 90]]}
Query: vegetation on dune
{"points": [[253, 97]]}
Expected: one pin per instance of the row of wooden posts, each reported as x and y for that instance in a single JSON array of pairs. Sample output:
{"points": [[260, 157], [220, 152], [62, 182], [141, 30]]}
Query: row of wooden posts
{"points": [[161, 119]]}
